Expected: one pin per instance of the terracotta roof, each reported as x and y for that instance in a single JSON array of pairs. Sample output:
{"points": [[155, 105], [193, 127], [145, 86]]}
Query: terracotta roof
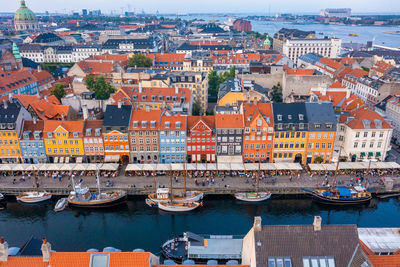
{"points": [[141, 115], [337, 84], [70, 126], [237, 58], [96, 67], [381, 66], [43, 77], [200, 265], [347, 60], [330, 63], [12, 80], [92, 124], [384, 260], [46, 110], [32, 127], [229, 121], [121, 59], [251, 110], [167, 57], [193, 120], [147, 94], [14, 261], [172, 121], [117, 259], [359, 117]]}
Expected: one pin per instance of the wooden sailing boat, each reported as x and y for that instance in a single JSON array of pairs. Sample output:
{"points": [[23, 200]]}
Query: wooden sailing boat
{"points": [[254, 196], [341, 195], [162, 195], [34, 196], [175, 206]]}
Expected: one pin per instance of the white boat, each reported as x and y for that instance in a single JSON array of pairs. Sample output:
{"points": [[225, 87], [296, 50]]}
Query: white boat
{"points": [[1, 196], [253, 197], [179, 206], [163, 195], [33, 197], [61, 204]]}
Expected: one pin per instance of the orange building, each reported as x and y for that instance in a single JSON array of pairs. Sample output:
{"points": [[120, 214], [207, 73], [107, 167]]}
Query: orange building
{"points": [[258, 132], [115, 132]]}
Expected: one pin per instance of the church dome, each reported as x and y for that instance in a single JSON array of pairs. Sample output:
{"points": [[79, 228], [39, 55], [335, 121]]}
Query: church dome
{"points": [[24, 13]]}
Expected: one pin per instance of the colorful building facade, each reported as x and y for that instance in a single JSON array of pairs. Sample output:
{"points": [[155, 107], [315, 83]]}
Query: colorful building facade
{"points": [[93, 141], [173, 139], [201, 139], [31, 142]]}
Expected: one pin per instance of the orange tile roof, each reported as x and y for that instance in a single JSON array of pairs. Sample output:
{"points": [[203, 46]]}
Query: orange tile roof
{"points": [[330, 63], [43, 77], [129, 92], [173, 120], [347, 60], [253, 110], [70, 126], [237, 58], [208, 120], [46, 110], [167, 57], [148, 116], [96, 67], [229, 121], [381, 66], [26, 100], [385, 260], [336, 85], [117, 259], [200, 265], [31, 126], [17, 261], [12, 80], [364, 113], [121, 59]]}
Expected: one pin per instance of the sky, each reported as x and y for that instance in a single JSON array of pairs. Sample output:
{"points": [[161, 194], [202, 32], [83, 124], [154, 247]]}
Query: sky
{"points": [[205, 6]]}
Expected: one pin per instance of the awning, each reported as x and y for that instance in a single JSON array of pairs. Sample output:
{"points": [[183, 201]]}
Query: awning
{"points": [[316, 167], [163, 167], [54, 167], [288, 166], [111, 158], [251, 166], [80, 167], [5, 167], [378, 154], [224, 166], [67, 167], [267, 166], [201, 166], [362, 154], [20, 167], [109, 167], [177, 166], [370, 154], [330, 166], [211, 166], [237, 166], [92, 167], [149, 167], [133, 167], [191, 166]]}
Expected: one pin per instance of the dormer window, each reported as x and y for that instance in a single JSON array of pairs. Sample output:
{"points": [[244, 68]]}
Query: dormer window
{"points": [[88, 132], [26, 135], [317, 126], [178, 124], [168, 98], [37, 136], [160, 98], [289, 117], [167, 124], [279, 126], [301, 126], [76, 135], [301, 117], [97, 132], [135, 124], [50, 135], [153, 124], [144, 124], [174, 98], [279, 117]]}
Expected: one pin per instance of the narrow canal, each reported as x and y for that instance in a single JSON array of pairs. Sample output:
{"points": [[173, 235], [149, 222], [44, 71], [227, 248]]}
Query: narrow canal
{"points": [[136, 225]]}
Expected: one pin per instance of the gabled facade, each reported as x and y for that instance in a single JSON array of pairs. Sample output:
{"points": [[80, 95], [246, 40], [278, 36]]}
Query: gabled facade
{"points": [[173, 139], [93, 141], [258, 132], [229, 137], [116, 132], [63, 141], [31, 142], [291, 127], [201, 139], [144, 136]]}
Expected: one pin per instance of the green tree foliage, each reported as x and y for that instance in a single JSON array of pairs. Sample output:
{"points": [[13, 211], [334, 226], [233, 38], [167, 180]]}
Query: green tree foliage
{"points": [[197, 109], [58, 91], [140, 61], [215, 80], [318, 159], [276, 93], [99, 86]]}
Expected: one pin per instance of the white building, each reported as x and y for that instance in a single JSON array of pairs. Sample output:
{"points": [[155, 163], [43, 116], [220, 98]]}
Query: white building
{"points": [[364, 135], [293, 48], [368, 90], [393, 114], [336, 12]]}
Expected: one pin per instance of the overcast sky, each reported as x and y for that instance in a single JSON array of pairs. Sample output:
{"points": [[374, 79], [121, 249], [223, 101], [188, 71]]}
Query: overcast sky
{"points": [[190, 6]]}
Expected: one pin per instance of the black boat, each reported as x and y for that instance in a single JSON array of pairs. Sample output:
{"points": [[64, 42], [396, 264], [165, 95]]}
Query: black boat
{"points": [[341, 195], [203, 248]]}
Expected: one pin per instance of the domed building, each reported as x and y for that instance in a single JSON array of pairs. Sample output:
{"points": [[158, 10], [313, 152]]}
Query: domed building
{"points": [[25, 19]]}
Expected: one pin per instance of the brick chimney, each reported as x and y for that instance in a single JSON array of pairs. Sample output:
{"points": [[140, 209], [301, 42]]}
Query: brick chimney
{"points": [[46, 250], [317, 223], [119, 104], [5, 104], [257, 224], [3, 250]]}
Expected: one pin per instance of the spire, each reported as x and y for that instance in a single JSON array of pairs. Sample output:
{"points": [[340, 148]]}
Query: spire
{"points": [[23, 3]]}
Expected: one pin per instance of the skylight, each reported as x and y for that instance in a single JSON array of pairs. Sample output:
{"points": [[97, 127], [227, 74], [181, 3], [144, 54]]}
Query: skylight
{"points": [[99, 260]]}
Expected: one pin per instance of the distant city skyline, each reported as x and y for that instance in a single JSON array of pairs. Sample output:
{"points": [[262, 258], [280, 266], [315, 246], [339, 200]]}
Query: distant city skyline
{"points": [[206, 6]]}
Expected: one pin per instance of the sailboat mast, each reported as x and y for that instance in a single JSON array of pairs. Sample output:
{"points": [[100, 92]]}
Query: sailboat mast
{"points": [[170, 193], [184, 180], [258, 176], [337, 166], [98, 181]]}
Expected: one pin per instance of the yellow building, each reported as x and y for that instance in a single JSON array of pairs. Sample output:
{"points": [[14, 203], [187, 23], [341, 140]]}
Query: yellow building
{"points": [[12, 116], [63, 141]]}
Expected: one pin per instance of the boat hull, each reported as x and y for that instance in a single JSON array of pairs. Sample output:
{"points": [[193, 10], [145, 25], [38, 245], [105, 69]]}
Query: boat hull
{"points": [[97, 203], [340, 202], [197, 196], [244, 197], [177, 208], [31, 200]]}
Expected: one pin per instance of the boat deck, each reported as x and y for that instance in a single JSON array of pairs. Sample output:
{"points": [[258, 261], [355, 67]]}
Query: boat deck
{"points": [[217, 247]]}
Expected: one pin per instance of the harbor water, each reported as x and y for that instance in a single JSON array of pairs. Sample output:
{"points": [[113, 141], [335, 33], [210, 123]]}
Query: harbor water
{"points": [[135, 225]]}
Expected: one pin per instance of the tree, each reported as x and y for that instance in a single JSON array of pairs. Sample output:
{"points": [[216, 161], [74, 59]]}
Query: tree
{"points": [[197, 109], [213, 83], [141, 61], [99, 86], [276, 93], [58, 91]]}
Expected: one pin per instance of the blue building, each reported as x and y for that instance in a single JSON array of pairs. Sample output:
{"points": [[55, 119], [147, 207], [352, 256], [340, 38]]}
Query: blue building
{"points": [[173, 139], [20, 82], [31, 142]]}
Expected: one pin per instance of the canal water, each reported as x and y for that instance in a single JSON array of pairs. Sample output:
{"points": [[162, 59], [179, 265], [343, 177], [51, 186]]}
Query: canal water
{"points": [[135, 225]]}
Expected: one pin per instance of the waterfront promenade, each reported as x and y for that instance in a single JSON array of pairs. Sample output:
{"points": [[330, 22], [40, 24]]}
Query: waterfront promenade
{"points": [[142, 185]]}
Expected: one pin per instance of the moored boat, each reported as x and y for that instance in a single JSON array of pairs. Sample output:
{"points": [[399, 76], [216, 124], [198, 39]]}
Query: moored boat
{"points": [[252, 197], [162, 196], [341, 195], [1, 196], [33, 197], [61, 204], [353, 34], [181, 206]]}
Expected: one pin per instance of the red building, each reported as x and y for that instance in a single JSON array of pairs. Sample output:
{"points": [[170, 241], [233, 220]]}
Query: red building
{"points": [[242, 25], [201, 139]]}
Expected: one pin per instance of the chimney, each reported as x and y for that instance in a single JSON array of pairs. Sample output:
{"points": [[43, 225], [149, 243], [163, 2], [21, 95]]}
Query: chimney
{"points": [[85, 112], [34, 119], [10, 97], [317, 223], [257, 224], [140, 87], [5, 104], [119, 104], [3, 250], [62, 117], [46, 98], [39, 68], [46, 250]]}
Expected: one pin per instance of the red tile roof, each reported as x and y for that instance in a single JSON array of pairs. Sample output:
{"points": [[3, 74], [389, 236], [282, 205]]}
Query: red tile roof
{"points": [[330, 63], [303, 72], [172, 120], [96, 67], [357, 116], [46, 110], [193, 120], [337, 85], [237, 58], [121, 59], [347, 60], [92, 124], [381, 67], [128, 93], [70, 126], [12, 80], [252, 111], [32, 127], [200, 265], [148, 116], [167, 57], [229, 121], [18, 261], [43, 77]]}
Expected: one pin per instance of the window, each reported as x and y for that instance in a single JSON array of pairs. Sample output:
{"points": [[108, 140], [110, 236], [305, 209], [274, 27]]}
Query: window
{"points": [[318, 261], [365, 134], [357, 134], [279, 262]]}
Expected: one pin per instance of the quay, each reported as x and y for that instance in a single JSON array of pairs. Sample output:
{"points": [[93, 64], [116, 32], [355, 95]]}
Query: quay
{"points": [[143, 185]]}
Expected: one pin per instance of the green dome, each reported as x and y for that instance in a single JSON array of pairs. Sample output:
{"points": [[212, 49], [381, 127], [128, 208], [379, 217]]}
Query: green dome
{"points": [[267, 40], [24, 13]]}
